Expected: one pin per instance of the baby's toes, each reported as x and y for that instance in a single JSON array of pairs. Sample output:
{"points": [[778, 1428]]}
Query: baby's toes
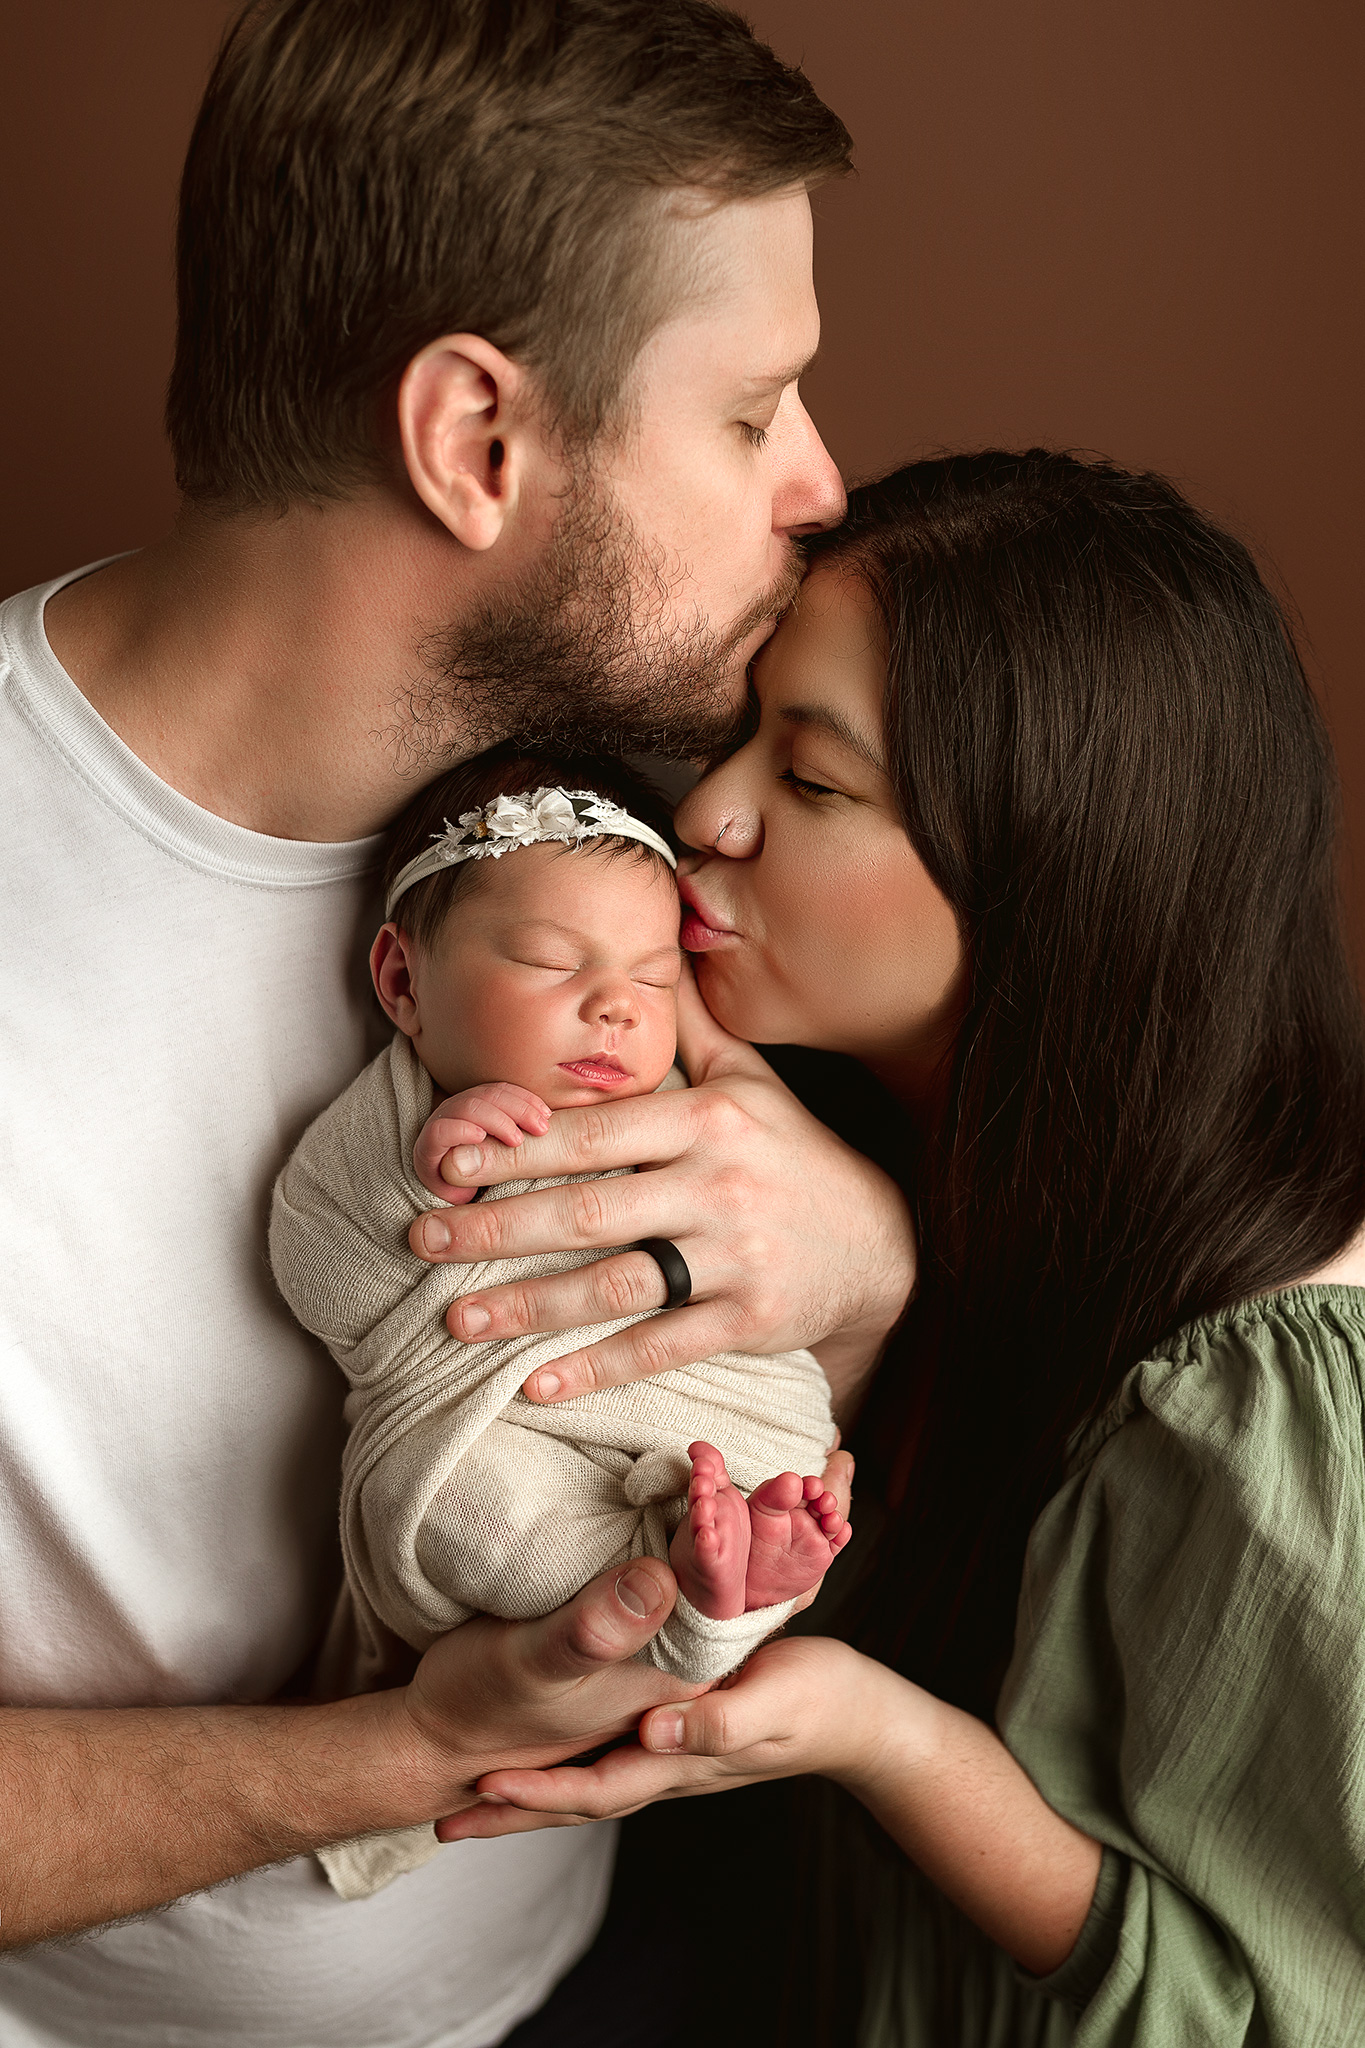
{"points": [[702, 1514], [701, 1487], [778, 1496]]}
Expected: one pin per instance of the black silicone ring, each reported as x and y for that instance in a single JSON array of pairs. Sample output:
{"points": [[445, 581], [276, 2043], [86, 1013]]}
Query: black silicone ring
{"points": [[672, 1265]]}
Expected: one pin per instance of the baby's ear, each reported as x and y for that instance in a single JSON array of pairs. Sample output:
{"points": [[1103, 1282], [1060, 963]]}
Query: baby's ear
{"points": [[391, 973]]}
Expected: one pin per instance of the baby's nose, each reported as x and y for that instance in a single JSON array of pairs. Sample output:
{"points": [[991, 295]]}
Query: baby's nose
{"points": [[616, 1005]]}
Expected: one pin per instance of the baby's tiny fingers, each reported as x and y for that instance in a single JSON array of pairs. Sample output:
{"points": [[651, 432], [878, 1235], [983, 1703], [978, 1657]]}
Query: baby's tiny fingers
{"points": [[501, 1123], [451, 1130]]}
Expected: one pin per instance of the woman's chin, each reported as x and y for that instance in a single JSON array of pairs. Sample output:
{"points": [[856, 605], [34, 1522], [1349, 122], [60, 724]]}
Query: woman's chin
{"points": [[738, 1009]]}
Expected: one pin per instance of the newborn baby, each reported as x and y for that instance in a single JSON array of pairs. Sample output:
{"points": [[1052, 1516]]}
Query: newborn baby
{"points": [[532, 965]]}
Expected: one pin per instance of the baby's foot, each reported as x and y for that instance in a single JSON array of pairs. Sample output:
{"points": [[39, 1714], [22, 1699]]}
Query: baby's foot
{"points": [[710, 1550], [795, 1534]]}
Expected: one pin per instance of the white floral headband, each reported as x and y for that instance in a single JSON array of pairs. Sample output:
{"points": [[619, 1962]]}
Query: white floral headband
{"points": [[531, 819]]}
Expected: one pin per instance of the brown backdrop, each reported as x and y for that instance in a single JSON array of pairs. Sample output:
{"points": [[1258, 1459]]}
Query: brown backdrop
{"points": [[1123, 225]]}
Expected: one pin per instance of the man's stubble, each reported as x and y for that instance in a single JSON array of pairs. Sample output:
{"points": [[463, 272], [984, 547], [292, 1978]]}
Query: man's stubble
{"points": [[584, 651]]}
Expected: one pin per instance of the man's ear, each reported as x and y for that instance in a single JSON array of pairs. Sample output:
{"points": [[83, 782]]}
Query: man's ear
{"points": [[461, 418], [391, 972]]}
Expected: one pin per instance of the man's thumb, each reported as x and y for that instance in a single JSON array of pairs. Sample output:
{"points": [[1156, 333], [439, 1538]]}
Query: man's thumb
{"points": [[604, 1624]]}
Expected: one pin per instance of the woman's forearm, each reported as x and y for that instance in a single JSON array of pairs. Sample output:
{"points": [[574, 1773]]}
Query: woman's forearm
{"points": [[944, 1786], [941, 1784]]}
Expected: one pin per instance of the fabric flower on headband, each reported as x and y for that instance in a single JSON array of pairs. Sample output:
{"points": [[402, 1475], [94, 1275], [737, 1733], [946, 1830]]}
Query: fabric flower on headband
{"points": [[523, 820], [532, 818]]}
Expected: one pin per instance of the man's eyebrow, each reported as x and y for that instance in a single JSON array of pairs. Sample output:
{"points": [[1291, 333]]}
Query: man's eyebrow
{"points": [[826, 719]]}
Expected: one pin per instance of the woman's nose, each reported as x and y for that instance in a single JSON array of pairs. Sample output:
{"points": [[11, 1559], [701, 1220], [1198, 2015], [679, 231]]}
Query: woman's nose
{"points": [[715, 818]]}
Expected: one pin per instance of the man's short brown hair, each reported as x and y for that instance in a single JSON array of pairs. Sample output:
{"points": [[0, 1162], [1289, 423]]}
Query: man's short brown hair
{"points": [[367, 175]]}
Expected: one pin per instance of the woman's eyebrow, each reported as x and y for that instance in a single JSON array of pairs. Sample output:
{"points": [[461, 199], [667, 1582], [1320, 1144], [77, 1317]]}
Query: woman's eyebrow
{"points": [[826, 719], [779, 379]]}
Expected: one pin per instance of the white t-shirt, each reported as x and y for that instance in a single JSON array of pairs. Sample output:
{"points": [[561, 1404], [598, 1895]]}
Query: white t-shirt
{"points": [[180, 998]]}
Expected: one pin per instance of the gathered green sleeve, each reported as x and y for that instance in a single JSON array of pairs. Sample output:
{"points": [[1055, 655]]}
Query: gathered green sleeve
{"points": [[1188, 1685]]}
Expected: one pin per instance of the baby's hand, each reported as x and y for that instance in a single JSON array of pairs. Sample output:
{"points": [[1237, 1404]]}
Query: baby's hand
{"points": [[496, 1109]]}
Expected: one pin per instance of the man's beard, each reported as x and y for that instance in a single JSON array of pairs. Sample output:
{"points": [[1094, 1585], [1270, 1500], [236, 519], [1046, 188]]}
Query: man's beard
{"points": [[580, 652]]}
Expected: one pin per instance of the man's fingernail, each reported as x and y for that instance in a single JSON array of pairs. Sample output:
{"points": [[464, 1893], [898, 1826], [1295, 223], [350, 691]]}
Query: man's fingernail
{"points": [[666, 1731], [546, 1385], [466, 1158], [474, 1321], [436, 1235], [638, 1593]]}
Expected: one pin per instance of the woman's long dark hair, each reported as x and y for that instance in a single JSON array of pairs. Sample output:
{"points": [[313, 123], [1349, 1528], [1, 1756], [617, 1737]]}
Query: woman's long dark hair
{"points": [[1110, 761]]}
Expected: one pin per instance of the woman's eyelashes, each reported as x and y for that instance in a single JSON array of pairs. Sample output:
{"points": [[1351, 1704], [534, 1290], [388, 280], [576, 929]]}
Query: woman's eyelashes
{"points": [[806, 786]]}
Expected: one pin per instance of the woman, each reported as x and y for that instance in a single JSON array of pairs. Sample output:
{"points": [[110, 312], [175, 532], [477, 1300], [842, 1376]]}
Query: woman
{"points": [[1036, 823]]}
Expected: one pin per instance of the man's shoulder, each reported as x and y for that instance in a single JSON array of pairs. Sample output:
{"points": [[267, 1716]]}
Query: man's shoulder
{"points": [[22, 635]]}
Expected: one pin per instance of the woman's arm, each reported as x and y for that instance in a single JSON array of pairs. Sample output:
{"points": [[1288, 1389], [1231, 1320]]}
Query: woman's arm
{"points": [[941, 1783]]}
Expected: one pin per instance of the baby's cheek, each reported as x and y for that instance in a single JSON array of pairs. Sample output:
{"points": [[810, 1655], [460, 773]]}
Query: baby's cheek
{"points": [[509, 1040], [659, 1047]]}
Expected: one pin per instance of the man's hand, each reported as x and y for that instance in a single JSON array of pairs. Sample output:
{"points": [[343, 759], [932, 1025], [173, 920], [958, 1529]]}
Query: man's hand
{"points": [[941, 1783], [498, 1694], [782, 1712], [794, 1708], [495, 1109], [111, 1811], [790, 1235]]}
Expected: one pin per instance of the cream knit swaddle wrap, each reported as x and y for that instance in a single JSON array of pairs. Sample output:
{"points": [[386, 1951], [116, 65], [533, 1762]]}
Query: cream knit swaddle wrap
{"points": [[458, 1495]]}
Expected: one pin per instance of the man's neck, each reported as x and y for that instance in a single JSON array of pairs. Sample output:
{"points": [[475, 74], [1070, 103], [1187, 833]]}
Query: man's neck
{"points": [[264, 667]]}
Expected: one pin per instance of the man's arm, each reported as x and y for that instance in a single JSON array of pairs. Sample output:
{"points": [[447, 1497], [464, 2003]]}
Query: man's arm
{"points": [[114, 1811], [791, 1236]]}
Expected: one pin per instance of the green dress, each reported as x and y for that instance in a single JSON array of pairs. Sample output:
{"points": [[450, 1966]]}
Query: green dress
{"points": [[1188, 1686]]}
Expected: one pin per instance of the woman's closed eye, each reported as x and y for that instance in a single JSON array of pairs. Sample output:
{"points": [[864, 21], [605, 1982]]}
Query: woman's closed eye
{"points": [[806, 786]]}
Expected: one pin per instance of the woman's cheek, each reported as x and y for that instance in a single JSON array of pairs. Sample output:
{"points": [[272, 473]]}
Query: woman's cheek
{"points": [[748, 997]]}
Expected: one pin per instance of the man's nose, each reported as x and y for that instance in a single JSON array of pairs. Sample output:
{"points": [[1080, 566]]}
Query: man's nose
{"points": [[808, 491]]}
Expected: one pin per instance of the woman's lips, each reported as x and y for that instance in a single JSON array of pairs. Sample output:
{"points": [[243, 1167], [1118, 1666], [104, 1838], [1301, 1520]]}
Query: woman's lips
{"points": [[701, 927], [604, 1071]]}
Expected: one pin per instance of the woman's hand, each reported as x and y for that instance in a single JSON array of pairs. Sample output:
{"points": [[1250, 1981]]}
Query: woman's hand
{"points": [[790, 1235], [798, 1706], [940, 1782]]}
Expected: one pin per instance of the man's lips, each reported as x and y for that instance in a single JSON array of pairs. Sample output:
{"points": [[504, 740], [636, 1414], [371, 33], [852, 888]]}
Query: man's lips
{"points": [[702, 928], [597, 1070]]}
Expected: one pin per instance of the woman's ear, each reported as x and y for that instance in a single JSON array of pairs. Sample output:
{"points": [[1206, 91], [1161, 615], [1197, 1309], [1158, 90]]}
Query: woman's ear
{"points": [[391, 961], [463, 434]]}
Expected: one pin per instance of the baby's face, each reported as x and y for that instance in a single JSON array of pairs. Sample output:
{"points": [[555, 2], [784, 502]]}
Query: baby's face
{"points": [[559, 971]]}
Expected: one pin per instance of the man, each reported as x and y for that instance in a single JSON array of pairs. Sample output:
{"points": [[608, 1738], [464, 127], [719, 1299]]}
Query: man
{"points": [[485, 414]]}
